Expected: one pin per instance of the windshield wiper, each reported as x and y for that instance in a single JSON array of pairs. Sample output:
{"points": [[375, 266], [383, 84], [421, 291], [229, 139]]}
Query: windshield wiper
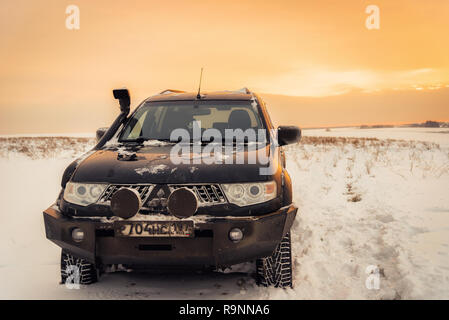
{"points": [[234, 141], [141, 140]]}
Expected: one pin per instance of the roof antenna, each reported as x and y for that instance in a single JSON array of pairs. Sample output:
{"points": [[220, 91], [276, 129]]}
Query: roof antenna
{"points": [[198, 96]]}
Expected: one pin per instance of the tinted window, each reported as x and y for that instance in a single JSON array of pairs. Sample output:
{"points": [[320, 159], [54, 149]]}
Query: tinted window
{"points": [[156, 120]]}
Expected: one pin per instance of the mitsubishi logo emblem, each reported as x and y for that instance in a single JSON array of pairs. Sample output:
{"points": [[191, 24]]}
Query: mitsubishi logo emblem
{"points": [[157, 200]]}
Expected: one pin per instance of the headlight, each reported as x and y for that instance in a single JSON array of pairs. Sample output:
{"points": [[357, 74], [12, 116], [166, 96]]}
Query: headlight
{"points": [[83, 194], [245, 194]]}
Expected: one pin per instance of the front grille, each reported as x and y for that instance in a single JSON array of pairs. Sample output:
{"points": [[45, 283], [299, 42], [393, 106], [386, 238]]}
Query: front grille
{"points": [[143, 190], [207, 194]]}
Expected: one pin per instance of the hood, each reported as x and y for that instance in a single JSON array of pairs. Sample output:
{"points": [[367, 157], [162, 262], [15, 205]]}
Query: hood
{"points": [[152, 164]]}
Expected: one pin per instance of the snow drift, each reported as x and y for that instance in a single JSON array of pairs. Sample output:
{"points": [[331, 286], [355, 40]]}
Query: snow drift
{"points": [[363, 202]]}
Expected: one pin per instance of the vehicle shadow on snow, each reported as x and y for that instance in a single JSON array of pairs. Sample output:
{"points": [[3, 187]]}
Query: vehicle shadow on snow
{"points": [[172, 284]]}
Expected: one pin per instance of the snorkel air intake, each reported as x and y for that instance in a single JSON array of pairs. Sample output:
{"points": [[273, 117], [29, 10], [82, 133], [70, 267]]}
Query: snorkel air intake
{"points": [[122, 95]]}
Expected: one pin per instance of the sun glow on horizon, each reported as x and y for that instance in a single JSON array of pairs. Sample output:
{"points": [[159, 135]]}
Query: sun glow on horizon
{"points": [[321, 82], [293, 48]]}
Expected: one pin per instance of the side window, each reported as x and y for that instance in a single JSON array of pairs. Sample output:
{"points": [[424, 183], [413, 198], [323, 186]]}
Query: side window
{"points": [[263, 106]]}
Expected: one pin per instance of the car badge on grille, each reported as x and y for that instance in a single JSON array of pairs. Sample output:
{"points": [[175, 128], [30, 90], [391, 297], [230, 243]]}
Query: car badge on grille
{"points": [[160, 194], [157, 200]]}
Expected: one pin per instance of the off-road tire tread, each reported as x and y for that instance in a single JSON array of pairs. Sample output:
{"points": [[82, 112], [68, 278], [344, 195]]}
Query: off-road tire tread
{"points": [[88, 271], [276, 270]]}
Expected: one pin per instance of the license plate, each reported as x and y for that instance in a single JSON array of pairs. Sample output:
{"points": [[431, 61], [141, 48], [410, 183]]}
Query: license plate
{"points": [[154, 229]]}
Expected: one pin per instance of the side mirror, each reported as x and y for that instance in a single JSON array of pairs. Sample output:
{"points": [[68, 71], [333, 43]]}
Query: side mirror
{"points": [[100, 133], [288, 135], [122, 95]]}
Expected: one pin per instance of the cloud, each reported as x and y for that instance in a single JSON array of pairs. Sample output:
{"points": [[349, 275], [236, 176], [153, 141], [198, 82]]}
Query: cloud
{"points": [[322, 81]]}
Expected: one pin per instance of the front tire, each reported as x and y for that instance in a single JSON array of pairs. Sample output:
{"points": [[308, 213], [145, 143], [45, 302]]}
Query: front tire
{"points": [[276, 270], [73, 267]]}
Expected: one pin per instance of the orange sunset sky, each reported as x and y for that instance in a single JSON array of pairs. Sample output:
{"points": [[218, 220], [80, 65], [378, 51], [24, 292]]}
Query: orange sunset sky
{"points": [[314, 62]]}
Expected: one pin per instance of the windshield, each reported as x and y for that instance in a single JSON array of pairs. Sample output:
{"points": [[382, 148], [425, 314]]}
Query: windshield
{"points": [[157, 120]]}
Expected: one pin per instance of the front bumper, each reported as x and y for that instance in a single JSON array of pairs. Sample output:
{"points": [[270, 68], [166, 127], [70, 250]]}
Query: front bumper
{"points": [[209, 247]]}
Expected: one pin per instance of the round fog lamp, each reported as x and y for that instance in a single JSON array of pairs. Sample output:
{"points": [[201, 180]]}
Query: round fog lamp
{"points": [[77, 234], [236, 235]]}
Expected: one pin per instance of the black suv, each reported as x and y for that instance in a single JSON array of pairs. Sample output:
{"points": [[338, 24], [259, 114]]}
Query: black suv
{"points": [[190, 180]]}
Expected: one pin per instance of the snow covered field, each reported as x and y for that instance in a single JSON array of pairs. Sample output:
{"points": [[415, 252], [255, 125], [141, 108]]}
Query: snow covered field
{"points": [[437, 135], [362, 201]]}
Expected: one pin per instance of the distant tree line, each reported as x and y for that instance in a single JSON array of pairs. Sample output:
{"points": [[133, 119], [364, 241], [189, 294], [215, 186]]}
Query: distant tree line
{"points": [[427, 124]]}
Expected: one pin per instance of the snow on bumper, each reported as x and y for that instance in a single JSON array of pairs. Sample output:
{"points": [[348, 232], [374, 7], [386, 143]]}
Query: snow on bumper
{"points": [[210, 244]]}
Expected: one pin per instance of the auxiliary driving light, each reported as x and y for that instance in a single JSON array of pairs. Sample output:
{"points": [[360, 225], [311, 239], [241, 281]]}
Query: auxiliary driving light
{"points": [[182, 203], [125, 203], [77, 234], [235, 235]]}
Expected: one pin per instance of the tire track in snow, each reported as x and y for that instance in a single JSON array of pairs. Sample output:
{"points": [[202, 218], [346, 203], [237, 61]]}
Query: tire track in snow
{"points": [[336, 238]]}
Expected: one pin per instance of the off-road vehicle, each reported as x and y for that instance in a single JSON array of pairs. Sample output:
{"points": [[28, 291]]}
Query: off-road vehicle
{"points": [[167, 186]]}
